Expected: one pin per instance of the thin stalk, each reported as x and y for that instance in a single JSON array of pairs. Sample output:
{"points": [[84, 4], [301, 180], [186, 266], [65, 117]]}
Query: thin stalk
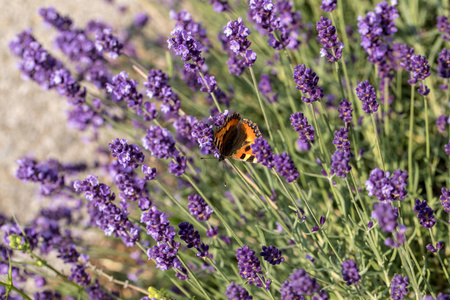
{"points": [[10, 286], [377, 141], [191, 275], [410, 143], [255, 85], [428, 186], [212, 94]]}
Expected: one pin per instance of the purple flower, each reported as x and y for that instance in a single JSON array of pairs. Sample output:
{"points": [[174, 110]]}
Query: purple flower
{"points": [[140, 20], [266, 88], [447, 148], [328, 5], [420, 69], [249, 266], [328, 38], [301, 284], [237, 292], [350, 272], [445, 200], [444, 27], [439, 245], [398, 237], [385, 188], [160, 142], [158, 87], [185, 22], [189, 235], [209, 84], [158, 226], [178, 166], [106, 42], [424, 213], [340, 163], [300, 124], [198, 207], [306, 81], [234, 41], [220, 6], [285, 167], [341, 140], [431, 248], [150, 173], [129, 156], [79, 275], [423, 89], [212, 232], [386, 215], [345, 111], [263, 152], [262, 13], [399, 286], [204, 135], [272, 255], [366, 93], [441, 122], [45, 173], [165, 256], [124, 89], [185, 45], [53, 18], [443, 68]]}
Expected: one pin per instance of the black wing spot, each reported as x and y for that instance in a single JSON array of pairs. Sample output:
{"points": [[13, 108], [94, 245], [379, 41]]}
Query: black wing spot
{"points": [[242, 156], [251, 158], [248, 148]]}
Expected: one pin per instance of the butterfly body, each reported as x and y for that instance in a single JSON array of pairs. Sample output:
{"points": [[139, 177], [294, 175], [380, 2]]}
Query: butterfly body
{"points": [[234, 138]]}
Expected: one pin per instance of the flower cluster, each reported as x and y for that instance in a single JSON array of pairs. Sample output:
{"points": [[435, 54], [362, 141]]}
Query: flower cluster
{"points": [[399, 287], [237, 292], [249, 266], [345, 111], [301, 284], [47, 174], [443, 26], [266, 89], [191, 237], [439, 246], [350, 272], [445, 200], [285, 167], [234, 41], [328, 38], [443, 68], [123, 89], [424, 213], [198, 207], [204, 135], [328, 5], [263, 152], [184, 21], [160, 142], [108, 43], [129, 156], [300, 124], [366, 93], [386, 215], [340, 160], [306, 81], [272, 255], [186, 46], [385, 188], [104, 213], [158, 88]]}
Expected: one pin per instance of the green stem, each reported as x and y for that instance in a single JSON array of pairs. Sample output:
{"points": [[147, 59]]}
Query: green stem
{"points": [[212, 94], [255, 85], [429, 187], [10, 286], [410, 143], [191, 275], [444, 267], [377, 141]]}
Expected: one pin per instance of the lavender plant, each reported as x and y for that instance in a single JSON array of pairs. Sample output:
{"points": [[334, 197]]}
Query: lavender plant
{"points": [[309, 220]]}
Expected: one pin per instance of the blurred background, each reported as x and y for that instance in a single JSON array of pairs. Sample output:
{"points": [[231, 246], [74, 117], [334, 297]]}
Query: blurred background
{"points": [[33, 121]]}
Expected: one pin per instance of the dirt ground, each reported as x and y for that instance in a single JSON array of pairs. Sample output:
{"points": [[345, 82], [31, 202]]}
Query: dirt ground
{"points": [[33, 121]]}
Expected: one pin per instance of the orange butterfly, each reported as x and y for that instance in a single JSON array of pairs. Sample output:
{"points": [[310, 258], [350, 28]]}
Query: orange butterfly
{"points": [[234, 137]]}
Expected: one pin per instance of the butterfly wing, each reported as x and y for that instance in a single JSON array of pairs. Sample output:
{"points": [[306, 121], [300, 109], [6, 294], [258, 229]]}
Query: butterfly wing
{"points": [[225, 135], [247, 134]]}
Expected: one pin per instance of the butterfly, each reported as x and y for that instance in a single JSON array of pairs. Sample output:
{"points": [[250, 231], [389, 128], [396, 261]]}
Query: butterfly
{"points": [[234, 137]]}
